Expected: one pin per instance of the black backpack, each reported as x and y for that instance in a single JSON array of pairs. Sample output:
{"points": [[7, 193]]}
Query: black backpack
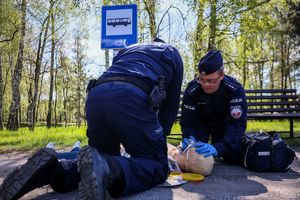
{"points": [[266, 152]]}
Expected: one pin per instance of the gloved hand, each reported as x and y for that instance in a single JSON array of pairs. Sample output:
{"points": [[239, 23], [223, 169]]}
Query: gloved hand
{"points": [[186, 141], [206, 149]]}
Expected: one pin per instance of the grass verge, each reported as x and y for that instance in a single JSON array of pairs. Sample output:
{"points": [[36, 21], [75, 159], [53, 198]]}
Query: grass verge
{"points": [[25, 140], [255, 126]]}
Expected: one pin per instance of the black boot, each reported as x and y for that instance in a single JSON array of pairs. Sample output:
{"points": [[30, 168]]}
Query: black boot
{"points": [[97, 174], [36, 172]]}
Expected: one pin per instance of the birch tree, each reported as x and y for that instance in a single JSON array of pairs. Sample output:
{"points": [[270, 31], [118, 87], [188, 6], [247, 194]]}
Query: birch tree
{"points": [[13, 120]]}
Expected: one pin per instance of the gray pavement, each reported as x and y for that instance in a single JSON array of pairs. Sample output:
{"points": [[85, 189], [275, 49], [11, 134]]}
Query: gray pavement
{"points": [[225, 182]]}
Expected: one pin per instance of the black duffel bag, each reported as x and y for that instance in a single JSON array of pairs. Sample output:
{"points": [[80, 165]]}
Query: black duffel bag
{"points": [[266, 152]]}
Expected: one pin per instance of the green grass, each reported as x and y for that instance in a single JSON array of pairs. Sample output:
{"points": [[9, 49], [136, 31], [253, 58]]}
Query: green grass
{"points": [[278, 126], [253, 126], [25, 140]]}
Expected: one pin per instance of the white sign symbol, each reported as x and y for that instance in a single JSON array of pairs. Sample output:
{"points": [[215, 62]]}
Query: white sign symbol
{"points": [[119, 22]]}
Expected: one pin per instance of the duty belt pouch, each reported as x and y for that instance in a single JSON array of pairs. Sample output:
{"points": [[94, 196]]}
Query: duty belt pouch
{"points": [[157, 95], [156, 98]]}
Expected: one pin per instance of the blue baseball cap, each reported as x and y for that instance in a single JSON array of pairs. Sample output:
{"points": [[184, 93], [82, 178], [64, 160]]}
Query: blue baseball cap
{"points": [[211, 62]]}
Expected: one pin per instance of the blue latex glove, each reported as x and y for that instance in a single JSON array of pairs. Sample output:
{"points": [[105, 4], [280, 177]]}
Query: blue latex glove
{"points": [[185, 142], [206, 149]]}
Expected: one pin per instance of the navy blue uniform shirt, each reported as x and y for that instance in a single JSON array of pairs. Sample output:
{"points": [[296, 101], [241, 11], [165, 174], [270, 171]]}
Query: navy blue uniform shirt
{"points": [[221, 114], [150, 61]]}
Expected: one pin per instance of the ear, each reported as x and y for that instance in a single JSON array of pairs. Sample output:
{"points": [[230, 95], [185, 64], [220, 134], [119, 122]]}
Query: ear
{"points": [[222, 75]]}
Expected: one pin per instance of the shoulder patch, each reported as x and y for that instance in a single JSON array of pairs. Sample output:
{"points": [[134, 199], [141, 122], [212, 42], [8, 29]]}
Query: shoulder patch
{"points": [[236, 112]]}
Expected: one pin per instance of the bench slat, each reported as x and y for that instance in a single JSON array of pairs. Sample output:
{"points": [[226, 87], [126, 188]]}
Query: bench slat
{"points": [[272, 91], [273, 103], [274, 116], [272, 97], [272, 110]]}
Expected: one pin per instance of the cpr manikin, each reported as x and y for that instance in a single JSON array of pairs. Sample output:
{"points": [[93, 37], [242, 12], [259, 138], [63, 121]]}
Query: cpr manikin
{"points": [[189, 160]]}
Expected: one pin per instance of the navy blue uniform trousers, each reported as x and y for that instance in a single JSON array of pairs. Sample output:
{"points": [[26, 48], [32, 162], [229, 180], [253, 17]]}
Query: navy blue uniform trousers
{"points": [[117, 112]]}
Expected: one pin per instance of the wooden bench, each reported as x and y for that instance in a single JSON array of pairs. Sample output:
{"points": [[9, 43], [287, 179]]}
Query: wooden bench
{"points": [[273, 104], [269, 104]]}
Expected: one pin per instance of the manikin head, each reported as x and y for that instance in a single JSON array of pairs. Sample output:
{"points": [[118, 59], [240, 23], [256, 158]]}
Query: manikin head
{"points": [[191, 161]]}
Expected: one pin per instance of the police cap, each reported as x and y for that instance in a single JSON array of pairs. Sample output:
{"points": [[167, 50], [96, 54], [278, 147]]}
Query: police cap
{"points": [[211, 62]]}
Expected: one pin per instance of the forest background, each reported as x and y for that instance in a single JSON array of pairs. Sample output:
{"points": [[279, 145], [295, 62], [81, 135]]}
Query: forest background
{"points": [[48, 52]]}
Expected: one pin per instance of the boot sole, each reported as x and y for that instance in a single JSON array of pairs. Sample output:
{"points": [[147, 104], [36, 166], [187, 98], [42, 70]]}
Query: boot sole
{"points": [[89, 188], [17, 180]]}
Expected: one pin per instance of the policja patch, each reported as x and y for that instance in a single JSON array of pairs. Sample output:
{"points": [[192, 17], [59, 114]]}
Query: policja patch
{"points": [[236, 112]]}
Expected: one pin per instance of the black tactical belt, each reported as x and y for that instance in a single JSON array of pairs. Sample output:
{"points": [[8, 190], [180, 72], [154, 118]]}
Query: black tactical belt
{"points": [[129, 79]]}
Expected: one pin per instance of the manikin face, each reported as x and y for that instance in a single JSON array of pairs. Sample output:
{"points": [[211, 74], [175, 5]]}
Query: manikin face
{"points": [[210, 83]]}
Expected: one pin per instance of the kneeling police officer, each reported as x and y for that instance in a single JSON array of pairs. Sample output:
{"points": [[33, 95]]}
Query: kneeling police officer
{"points": [[135, 103], [214, 105]]}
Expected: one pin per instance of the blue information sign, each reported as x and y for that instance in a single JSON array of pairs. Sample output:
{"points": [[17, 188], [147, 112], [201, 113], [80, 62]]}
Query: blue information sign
{"points": [[119, 26]]}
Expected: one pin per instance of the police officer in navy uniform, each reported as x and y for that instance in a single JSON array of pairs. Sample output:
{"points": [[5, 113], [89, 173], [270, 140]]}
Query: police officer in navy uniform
{"points": [[122, 110], [214, 105], [134, 103]]}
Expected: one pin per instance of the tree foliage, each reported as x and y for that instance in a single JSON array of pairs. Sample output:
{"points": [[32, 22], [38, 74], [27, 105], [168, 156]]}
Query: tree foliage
{"points": [[44, 60]]}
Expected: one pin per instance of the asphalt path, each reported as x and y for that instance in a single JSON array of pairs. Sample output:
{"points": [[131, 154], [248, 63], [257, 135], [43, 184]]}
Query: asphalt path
{"points": [[225, 182]]}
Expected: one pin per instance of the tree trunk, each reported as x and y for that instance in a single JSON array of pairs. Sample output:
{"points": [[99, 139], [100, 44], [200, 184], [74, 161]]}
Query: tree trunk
{"points": [[150, 7], [80, 76], [287, 61], [56, 97], [78, 113], [212, 25], [13, 122], [65, 92], [271, 74], [1, 94], [29, 94], [282, 61], [106, 59], [244, 64], [65, 106], [261, 68], [49, 115], [104, 2], [39, 97], [39, 58], [6, 82], [65, 89], [65, 96]]}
